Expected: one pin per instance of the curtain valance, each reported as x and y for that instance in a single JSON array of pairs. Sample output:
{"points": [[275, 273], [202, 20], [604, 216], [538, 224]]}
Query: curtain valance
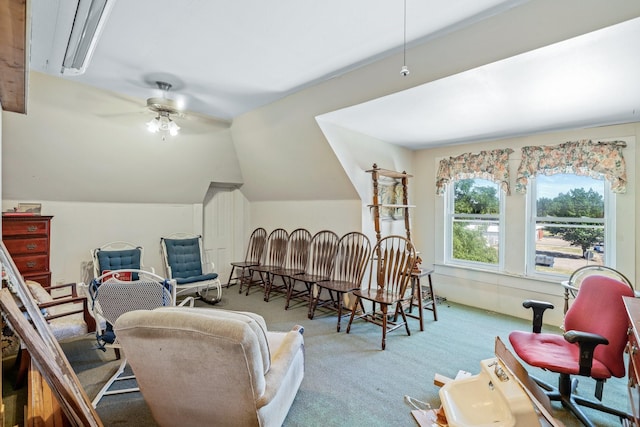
{"points": [[595, 159], [491, 165]]}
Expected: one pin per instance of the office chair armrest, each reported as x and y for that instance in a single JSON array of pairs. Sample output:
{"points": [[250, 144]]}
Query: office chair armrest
{"points": [[588, 343], [538, 308]]}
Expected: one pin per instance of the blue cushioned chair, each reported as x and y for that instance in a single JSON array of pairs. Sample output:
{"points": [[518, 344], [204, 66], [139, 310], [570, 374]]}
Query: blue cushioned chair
{"points": [[118, 255], [184, 262]]}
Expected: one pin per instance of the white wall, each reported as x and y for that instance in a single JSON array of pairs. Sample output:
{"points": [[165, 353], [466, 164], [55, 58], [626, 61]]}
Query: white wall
{"points": [[358, 153], [80, 143], [504, 292], [76, 228], [339, 216]]}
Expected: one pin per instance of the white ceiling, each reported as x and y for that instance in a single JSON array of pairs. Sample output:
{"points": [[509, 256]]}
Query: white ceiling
{"points": [[225, 58], [590, 80]]}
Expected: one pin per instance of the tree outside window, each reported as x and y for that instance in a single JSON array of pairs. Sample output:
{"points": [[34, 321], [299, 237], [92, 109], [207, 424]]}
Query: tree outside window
{"points": [[569, 223], [474, 226]]}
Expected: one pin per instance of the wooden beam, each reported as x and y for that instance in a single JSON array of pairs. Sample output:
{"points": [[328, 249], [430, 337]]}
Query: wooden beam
{"points": [[13, 55]]}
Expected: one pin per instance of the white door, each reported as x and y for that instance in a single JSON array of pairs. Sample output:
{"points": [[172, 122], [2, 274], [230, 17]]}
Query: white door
{"points": [[219, 225]]}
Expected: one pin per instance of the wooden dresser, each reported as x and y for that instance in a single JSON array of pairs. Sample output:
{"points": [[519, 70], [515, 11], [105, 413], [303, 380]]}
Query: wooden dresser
{"points": [[633, 311], [27, 239]]}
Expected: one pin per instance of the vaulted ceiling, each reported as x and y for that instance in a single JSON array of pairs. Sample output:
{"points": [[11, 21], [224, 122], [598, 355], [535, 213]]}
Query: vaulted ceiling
{"points": [[224, 59], [274, 67]]}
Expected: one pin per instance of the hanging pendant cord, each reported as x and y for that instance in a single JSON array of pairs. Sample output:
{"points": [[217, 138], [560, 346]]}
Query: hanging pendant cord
{"points": [[404, 52]]}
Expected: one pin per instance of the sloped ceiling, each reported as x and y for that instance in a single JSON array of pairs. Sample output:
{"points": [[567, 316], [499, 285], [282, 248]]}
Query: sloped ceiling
{"points": [[82, 143]]}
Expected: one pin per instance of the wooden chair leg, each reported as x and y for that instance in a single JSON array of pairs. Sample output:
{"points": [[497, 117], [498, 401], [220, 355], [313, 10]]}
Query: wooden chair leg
{"points": [[313, 302], [233, 268], [384, 325], [353, 313], [340, 295]]}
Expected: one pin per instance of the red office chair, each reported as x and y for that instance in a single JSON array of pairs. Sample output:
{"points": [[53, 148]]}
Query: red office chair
{"points": [[597, 316]]}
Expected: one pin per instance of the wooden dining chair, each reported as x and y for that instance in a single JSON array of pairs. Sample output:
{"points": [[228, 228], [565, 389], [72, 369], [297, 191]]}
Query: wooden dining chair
{"points": [[390, 273], [275, 253], [295, 262], [255, 249], [322, 250], [350, 262]]}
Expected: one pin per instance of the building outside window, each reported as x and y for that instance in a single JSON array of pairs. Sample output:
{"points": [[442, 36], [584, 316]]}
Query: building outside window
{"points": [[474, 228], [570, 224]]}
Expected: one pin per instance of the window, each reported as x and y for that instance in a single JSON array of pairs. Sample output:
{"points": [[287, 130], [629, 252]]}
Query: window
{"points": [[474, 229], [569, 224]]}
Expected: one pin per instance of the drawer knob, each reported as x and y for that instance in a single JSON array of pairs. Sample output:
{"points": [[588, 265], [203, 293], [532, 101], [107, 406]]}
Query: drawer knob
{"points": [[32, 246], [31, 264], [32, 228]]}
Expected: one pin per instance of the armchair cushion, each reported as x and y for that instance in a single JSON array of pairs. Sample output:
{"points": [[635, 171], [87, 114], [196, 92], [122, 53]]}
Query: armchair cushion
{"points": [[196, 366]]}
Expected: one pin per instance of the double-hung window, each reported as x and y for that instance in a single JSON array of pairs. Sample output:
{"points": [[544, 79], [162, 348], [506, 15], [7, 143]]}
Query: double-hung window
{"points": [[474, 223], [570, 224]]}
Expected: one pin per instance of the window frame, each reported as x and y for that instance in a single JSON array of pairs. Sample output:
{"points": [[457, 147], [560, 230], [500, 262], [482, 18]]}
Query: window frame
{"points": [[531, 211], [449, 217]]}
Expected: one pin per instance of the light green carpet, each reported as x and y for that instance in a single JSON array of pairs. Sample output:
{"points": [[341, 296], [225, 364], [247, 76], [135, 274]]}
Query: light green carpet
{"points": [[348, 380]]}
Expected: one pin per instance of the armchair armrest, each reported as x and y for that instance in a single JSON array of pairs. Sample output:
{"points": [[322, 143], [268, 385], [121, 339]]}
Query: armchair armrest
{"points": [[83, 308], [587, 342], [72, 286], [283, 359], [538, 308]]}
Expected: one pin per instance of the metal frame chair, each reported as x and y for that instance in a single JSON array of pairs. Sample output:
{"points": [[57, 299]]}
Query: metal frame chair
{"points": [[111, 297], [184, 260], [118, 255]]}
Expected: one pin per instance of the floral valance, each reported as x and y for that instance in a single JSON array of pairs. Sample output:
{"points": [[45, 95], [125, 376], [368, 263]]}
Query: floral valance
{"points": [[491, 165], [595, 159]]}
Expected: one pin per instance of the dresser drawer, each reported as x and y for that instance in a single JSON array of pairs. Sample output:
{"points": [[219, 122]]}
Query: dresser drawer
{"points": [[25, 227], [27, 246], [31, 263]]}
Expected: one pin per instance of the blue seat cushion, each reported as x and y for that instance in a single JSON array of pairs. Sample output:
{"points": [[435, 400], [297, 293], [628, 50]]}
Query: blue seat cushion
{"points": [[183, 256], [195, 279], [119, 260]]}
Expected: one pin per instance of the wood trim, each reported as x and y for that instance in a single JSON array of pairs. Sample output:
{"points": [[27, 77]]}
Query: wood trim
{"points": [[13, 55]]}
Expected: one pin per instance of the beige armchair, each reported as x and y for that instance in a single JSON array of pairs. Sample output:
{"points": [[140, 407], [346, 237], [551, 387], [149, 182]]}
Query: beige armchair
{"points": [[204, 366]]}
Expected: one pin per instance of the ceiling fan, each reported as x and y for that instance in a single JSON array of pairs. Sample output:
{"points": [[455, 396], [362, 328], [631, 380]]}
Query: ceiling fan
{"points": [[164, 108]]}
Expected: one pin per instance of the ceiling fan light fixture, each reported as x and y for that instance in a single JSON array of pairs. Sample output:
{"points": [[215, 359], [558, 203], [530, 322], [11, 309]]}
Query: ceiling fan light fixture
{"points": [[153, 125], [173, 128], [163, 123]]}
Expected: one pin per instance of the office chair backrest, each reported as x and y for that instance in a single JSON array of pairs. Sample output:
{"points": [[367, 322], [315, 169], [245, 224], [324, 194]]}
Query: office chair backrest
{"points": [[599, 309]]}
